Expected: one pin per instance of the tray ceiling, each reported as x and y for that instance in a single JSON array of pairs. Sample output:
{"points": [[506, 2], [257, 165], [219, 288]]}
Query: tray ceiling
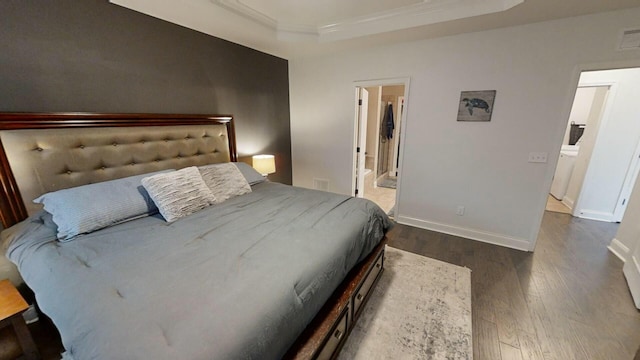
{"points": [[301, 28], [332, 20], [316, 13]]}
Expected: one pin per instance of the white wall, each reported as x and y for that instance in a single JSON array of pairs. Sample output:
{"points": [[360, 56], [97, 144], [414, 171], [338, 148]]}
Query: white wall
{"points": [[615, 146], [446, 163]]}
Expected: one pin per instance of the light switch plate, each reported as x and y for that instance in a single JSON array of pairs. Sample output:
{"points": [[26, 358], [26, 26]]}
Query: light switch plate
{"points": [[537, 157]]}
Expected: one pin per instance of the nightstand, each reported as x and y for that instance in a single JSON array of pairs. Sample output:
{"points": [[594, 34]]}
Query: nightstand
{"points": [[12, 305]]}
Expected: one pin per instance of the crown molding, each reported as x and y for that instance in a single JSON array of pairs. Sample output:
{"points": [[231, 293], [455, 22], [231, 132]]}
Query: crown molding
{"points": [[423, 13]]}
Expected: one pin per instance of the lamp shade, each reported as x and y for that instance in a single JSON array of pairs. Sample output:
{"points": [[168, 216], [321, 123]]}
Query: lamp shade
{"points": [[264, 164]]}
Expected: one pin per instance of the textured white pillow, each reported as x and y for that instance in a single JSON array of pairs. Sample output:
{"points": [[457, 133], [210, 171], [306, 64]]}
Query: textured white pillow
{"points": [[224, 180], [179, 193]]}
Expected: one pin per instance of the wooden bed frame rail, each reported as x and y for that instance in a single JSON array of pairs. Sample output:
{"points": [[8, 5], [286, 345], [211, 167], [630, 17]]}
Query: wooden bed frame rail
{"points": [[324, 337]]}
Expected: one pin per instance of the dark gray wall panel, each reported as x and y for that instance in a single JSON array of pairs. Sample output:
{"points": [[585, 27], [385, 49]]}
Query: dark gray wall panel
{"points": [[94, 56]]}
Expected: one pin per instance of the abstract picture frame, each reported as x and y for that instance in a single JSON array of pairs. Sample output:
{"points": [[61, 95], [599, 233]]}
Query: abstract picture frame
{"points": [[476, 105]]}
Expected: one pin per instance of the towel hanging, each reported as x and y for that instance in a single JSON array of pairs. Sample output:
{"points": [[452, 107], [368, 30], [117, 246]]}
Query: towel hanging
{"points": [[389, 125]]}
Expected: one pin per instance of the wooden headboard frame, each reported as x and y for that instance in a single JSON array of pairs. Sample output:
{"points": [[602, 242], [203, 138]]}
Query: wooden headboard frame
{"points": [[12, 208]]}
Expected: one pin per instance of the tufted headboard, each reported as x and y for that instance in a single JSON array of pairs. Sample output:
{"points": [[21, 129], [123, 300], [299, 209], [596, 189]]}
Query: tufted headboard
{"points": [[40, 153]]}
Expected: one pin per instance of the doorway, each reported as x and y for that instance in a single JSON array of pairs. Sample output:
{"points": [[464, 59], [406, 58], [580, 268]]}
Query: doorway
{"points": [[378, 138], [391, 108], [599, 157], [578, 141]]}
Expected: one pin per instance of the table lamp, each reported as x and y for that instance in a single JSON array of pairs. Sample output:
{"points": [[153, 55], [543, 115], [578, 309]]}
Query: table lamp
{"points": [[264, 164]]}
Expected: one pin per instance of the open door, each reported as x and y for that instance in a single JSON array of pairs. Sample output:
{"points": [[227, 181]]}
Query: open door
{"points": [[627, 187], [396, 135], [631, 271], [361, 142]]}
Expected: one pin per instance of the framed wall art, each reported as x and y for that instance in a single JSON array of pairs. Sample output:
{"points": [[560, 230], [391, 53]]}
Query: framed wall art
{"points": [[476, 105]]}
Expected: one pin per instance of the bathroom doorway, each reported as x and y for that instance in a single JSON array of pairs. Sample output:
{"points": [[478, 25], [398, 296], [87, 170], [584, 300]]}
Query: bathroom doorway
{"points": [[385, 114], [391, 108]]}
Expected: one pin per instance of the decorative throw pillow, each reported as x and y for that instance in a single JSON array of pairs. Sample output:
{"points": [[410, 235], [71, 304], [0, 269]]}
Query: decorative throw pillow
{"points": [[87, 208], [250, 174], [224, 180], [179, 193]]}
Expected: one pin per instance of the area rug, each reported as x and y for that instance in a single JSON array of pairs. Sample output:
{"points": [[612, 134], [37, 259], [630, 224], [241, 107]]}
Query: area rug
{"points": [[388, 182], [420, 309]]}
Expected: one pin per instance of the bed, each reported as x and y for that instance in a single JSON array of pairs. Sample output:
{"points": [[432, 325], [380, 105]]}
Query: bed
{"points": [[276, 272]]}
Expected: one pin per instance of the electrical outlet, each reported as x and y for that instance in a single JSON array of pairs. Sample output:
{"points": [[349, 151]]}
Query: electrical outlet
{"points": [[537, 157], [460, 210]]}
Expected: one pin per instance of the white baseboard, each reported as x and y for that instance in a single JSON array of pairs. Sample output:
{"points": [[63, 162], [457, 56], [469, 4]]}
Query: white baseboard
{"points": [[594, 215], [487, 237], [631, 272], [619, 249]]}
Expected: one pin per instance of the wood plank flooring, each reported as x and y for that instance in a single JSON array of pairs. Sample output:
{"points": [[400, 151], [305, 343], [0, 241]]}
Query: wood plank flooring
{"points": [[568, 300]]}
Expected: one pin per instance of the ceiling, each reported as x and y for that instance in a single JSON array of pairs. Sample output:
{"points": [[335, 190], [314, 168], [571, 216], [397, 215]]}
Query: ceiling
{"points": [[331, 20], [299, 28], [318, 12]]}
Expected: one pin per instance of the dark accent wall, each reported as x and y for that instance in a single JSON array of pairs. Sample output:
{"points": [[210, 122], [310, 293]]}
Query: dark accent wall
{"points": [[91, 55]]}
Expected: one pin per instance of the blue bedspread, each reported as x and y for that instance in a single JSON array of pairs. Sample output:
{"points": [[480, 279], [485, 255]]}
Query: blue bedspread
{"points": [[239, 280]]}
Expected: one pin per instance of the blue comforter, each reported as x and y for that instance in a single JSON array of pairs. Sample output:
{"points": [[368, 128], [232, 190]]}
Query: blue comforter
{"points": [[239, 280]]}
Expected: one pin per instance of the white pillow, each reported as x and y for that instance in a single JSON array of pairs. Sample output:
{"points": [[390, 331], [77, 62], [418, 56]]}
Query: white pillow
{"points": [[224, 180], [179, 193]]}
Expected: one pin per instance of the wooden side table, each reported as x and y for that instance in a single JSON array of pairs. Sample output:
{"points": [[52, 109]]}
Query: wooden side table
{"points": [[12, 305]]}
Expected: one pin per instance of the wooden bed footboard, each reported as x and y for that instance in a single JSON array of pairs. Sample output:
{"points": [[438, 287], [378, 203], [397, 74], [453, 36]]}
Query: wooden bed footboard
{"points": [[326, 334]]}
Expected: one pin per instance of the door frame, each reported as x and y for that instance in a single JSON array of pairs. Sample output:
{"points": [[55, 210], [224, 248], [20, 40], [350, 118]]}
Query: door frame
{"points": [[632, 169], [628, 185], [604, 120], [362, 108], [406, 81], [396, 147]]}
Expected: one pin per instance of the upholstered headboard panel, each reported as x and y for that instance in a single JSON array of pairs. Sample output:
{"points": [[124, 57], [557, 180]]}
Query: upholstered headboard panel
{"points": [[57, 157]]}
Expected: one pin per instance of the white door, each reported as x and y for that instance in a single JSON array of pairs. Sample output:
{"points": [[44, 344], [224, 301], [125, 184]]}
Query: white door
{"points": [[631, 271], [627, 187], [361, 142], [396, 135]]}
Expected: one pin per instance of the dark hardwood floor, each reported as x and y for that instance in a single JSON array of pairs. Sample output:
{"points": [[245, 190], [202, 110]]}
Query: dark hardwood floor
{"points": [[568, 300]]}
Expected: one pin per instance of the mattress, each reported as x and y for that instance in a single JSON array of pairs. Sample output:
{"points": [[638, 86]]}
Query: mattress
{"points": [[239, 280]]}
